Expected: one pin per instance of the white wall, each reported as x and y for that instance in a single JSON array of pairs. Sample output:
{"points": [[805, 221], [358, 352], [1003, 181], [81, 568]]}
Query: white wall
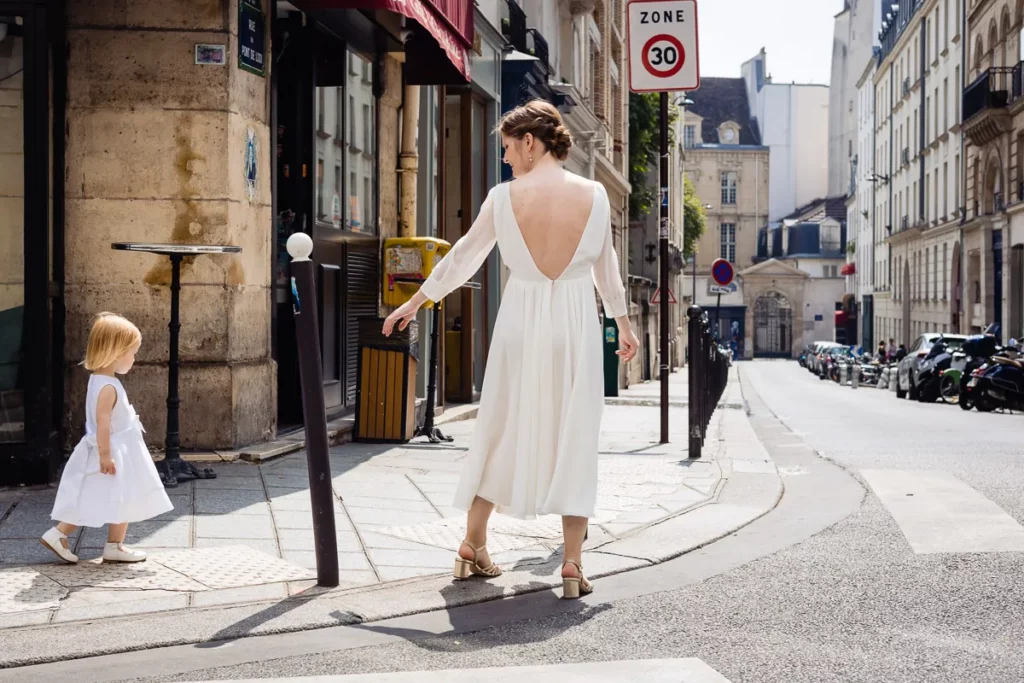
{"points": [[820, 297], [793, 119], [839, 114]]}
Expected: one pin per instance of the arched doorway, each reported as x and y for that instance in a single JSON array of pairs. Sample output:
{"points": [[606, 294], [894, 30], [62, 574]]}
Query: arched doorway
{"points": [[906, 293], [956, 294], [773, 326]]}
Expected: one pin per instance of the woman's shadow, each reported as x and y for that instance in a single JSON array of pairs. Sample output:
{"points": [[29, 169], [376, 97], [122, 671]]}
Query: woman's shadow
{"points": [[473, 610]]}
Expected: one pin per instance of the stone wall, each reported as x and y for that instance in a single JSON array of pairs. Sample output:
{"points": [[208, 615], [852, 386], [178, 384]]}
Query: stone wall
{"points": [[155, 153]]}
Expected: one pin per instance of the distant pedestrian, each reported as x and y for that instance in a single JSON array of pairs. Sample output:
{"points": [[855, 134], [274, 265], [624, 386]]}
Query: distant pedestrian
{"points": [[882, 354], [900, 354], [110, 477], [892, 348]]}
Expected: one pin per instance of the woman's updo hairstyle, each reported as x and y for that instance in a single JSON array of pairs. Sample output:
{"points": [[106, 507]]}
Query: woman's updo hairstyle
{"points": [[542, 120]]}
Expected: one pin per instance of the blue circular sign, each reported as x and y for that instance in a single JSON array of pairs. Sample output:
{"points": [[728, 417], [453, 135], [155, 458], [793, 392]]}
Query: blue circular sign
{"points": [[722, 272]]}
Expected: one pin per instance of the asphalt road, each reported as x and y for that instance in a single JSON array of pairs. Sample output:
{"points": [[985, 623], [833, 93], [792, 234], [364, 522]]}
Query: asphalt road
{"points": [[826, 588]]}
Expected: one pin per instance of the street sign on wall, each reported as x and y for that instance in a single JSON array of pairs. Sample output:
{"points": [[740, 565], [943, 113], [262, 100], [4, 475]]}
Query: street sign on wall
{"points": [[662, 45]]}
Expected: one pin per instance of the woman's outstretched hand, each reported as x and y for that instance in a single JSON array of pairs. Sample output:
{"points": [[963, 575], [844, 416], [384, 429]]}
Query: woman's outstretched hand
{"points": [[628, 343], [404, 314]]}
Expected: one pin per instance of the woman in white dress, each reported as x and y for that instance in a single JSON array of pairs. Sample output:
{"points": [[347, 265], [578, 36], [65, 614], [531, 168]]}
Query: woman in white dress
{"points": [[534, 449]]}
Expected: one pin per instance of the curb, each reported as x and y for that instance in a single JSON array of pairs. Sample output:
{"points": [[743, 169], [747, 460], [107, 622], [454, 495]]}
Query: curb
{"points": [[749, 488]]}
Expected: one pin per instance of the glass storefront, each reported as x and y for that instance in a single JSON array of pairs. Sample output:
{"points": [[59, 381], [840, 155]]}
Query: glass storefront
{"points": [[346, 134]]}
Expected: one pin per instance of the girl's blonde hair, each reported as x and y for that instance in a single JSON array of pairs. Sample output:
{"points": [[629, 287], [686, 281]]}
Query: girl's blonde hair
{"points": [[110, 338]]}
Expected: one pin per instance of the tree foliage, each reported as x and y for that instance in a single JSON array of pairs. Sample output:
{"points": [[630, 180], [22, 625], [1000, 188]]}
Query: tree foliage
{"points": [[643, 152], [644, 146], [695, 218]]}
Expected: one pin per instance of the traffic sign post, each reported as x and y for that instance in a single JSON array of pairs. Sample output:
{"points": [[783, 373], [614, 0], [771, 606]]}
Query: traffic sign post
{"points": [[722, 273], [663, 57]]}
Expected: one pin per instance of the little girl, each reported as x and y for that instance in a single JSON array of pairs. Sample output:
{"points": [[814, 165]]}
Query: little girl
{"points": [[110, 477]]}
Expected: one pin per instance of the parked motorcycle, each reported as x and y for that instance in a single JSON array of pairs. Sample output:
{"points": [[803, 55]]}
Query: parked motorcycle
{"points": [[978, 350], [949, 378], [1000, 383]]}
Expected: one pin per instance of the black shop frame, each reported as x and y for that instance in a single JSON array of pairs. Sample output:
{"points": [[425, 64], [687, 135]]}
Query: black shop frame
{"points": [[35, 457], [309, 51]]}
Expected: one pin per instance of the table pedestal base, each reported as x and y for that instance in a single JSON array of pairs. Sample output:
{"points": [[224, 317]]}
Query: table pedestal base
{"points": [[173, 472]]}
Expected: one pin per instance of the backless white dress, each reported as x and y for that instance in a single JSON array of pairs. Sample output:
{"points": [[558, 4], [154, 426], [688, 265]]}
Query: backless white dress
{"points": [[534, 448], [86, 497]]}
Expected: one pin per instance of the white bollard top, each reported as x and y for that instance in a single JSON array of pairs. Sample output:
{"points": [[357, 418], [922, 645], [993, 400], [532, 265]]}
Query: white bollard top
{"points": [[300, 246]]}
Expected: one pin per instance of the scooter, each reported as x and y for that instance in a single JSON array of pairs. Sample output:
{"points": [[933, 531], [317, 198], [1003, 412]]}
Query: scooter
{"points": [[949, 379], [978, 349], [1001, 383]]}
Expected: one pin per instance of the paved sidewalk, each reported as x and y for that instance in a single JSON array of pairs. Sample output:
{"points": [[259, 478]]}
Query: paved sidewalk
{"points": [[245, 538]]}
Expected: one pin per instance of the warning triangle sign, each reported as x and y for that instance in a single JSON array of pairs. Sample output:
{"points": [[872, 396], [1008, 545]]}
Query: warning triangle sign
{"points": [[656, 299]]}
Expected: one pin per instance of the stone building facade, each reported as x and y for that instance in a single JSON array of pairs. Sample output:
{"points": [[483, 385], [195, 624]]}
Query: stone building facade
{"points": [[993, 127], [142, 121], [918, 156], [729, 167]]}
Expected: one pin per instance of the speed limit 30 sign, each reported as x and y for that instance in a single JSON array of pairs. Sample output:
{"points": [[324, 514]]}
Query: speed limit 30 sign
{"points": [[663, 45]]}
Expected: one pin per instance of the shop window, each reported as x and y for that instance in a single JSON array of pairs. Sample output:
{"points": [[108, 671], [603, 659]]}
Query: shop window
{"points": [[346, 136]]}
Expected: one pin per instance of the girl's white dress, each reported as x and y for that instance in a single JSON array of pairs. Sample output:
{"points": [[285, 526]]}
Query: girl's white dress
{"points": [[534, 448], [87, 497]]}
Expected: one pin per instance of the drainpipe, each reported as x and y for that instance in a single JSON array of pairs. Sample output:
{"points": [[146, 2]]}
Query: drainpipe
{"points": [[962, 190], [408, 161]]}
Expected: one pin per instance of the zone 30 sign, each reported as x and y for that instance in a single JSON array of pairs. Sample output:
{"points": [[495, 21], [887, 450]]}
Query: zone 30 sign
{"points": [[663, 45]]}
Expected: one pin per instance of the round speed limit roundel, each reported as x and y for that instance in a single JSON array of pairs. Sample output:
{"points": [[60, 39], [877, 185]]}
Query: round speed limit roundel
{"points": [[663, 55]]}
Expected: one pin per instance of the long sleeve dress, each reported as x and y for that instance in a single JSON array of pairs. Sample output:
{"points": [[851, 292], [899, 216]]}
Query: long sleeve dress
{"points": [[534, 448]]}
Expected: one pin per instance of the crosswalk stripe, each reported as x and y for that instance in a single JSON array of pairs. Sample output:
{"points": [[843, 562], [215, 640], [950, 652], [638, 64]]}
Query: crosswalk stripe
{"points": [[688, 670], [939, 513]]}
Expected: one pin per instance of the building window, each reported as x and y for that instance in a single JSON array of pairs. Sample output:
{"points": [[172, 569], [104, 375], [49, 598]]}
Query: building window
{"points": [[727, 250], [729, 187], [690, 136], [344, 198]]}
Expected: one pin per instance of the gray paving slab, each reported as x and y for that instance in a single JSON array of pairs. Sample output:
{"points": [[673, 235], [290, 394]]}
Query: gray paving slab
{"points": [[303, 519], [225, 501], [170, 534], [24, 551], [388, 516], [302, 539], [307, 558], [428, 557], [234, 526], [389, 503]]}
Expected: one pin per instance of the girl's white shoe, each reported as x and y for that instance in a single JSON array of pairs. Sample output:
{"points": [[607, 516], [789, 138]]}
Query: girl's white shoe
{"points": [[58, 543], [116, 552]]}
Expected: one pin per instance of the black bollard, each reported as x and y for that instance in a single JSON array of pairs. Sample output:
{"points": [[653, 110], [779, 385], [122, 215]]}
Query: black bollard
{"points": [[314, 413]]}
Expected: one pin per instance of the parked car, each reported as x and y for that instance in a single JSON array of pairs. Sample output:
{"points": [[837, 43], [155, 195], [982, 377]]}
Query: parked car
{"points": [[817, 352], [909, 368]]}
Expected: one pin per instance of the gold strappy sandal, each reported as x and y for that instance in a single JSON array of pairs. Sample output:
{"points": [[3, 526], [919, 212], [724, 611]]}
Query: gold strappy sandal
{"points": [[573, 587], [465, 568]]}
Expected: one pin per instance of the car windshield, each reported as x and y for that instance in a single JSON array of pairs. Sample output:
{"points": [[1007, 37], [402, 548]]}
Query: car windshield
{"points": [[952, 343]]}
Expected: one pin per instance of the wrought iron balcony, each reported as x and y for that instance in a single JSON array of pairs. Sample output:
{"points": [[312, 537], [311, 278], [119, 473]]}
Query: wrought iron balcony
{"points": [[539, 47], [513, 25], [985, 103]]}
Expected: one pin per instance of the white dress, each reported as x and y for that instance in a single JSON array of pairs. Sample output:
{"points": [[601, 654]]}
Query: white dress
{"points": [[86, 497], [534, 448]]}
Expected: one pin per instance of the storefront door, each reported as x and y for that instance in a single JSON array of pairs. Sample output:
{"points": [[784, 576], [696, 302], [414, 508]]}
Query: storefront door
{"points": [[326, 92], [31, 249]]}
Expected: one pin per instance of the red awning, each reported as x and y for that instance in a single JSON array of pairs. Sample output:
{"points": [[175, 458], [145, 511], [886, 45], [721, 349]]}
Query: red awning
{"points": [[848, 269], [450, 22]]}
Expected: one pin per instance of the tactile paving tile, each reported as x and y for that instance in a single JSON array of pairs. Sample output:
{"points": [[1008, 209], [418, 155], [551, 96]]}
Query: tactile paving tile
{"points": [[148, 575], [232, 567], [23, 589]]}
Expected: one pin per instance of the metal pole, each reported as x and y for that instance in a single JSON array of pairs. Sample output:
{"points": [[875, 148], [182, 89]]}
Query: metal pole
{"points": [[172, 468], [428, 429], [663, 266], [718, 314], [314, 414]]}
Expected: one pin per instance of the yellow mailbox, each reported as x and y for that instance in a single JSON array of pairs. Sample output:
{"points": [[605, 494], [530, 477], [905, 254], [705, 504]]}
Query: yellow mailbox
{"points": [[408, 261]]}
